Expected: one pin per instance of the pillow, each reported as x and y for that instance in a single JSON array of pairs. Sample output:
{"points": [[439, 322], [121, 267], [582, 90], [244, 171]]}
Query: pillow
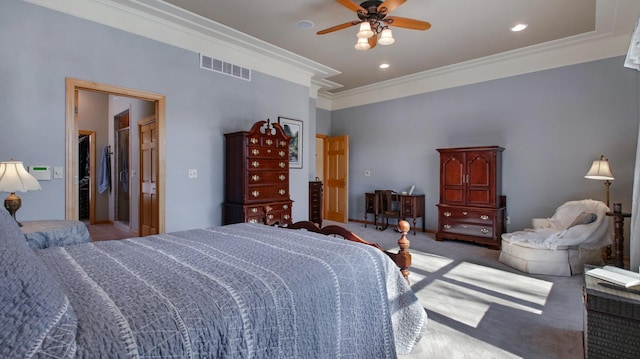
{"points": [[36, 316], [584, 218]]}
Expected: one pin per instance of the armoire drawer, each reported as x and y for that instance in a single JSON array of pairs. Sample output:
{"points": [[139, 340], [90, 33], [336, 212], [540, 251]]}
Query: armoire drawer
{"points": [[467, 215]]}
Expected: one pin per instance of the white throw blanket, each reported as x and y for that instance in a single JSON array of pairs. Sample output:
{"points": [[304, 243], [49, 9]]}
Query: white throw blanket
{"points": [[588, 236]]}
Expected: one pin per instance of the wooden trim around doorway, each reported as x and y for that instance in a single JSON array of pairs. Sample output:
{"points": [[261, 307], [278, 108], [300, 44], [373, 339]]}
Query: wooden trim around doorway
{"points": [[72, 86]]}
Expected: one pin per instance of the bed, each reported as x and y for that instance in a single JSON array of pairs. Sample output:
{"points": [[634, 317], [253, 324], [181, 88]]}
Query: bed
{"points": [[236, 291]]}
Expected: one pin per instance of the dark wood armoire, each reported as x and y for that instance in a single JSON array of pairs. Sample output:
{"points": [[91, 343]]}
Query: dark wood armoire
{"points": [[472, 207], [257, 176]]}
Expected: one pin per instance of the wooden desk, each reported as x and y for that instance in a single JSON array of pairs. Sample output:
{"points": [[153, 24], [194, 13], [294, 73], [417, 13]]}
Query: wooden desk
{"points": [[411, 206], [618, 236]]}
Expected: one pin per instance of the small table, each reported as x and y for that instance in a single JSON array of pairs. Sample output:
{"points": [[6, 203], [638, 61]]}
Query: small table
{"points": [[411, 206], [618, 236], [56, 233]]}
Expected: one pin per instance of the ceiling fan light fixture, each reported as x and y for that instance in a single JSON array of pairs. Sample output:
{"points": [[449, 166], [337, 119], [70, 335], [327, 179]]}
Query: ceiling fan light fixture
{"points": [[362, 44], [386, 38], [365, 31]]}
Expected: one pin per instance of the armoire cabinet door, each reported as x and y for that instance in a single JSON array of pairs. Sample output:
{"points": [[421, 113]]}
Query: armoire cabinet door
{"points": [[480, 181], [452, 172]]}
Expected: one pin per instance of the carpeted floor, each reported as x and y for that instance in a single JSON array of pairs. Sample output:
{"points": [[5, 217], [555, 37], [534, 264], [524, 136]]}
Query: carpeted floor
{"points": [[480, 308]]}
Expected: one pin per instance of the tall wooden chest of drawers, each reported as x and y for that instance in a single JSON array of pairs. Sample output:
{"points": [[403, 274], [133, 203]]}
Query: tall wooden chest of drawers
{"points": [[257, 175], [315, 202], [471, 206]]}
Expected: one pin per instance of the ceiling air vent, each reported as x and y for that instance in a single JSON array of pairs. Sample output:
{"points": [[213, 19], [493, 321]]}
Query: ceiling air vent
{"points": [[215, 65]]}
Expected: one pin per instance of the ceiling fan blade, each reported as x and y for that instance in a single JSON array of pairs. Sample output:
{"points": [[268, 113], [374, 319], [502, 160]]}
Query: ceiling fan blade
{"points": [[407, 23], [338, 27], [352, 6], [373, 41], [390, 5]]}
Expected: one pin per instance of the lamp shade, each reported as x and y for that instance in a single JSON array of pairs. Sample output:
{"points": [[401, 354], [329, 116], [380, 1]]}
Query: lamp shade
{"points": [[362, 44], [386, 38], [13, 178], [365, 31], [600, 170]]}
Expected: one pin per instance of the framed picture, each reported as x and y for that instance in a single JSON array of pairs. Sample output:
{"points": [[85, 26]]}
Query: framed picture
{"points": [[293, 129]]}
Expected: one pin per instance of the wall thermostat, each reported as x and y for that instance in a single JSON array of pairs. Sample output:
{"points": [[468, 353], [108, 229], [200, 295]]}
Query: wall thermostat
{"points": [[41, 173]]}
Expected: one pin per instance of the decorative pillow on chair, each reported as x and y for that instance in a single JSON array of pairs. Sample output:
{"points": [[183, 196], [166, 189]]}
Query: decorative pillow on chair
{"points": [[37, 318], [584, 218]]}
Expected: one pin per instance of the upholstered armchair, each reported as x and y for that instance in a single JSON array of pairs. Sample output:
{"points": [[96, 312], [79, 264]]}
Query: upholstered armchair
{"points": [[563, 244]]}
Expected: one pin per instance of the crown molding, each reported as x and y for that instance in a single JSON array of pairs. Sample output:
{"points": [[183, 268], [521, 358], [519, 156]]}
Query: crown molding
{"points": [[172, 25], [163, 22], [615, 21]]}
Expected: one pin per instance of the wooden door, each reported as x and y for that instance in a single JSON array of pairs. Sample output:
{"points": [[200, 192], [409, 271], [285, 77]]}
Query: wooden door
{"points": [[480, 169], [452, 178], [337, 179], [149, 218]]}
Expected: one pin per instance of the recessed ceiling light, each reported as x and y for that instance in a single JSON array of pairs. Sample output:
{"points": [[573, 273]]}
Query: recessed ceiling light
{"points": [[304, 25], [384, 66], [519, 27]]}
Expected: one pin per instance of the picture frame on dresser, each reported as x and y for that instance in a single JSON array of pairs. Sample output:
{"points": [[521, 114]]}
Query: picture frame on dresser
{"points": [[293, 129]]}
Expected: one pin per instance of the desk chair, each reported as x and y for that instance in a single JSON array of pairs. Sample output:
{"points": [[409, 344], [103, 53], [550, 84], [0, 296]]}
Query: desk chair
{"points": [[388, 208]]}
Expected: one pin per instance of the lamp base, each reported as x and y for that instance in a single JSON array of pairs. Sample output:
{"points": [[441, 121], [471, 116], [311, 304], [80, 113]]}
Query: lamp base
{"points": [[13, 204]]}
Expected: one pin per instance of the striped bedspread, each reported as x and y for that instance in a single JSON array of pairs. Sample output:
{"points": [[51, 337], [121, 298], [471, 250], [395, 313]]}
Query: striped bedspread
{"points": [[236, 291]]}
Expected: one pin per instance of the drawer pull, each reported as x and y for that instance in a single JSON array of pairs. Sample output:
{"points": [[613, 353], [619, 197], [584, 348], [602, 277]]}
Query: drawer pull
{"points": [[283, 143], [255, 151], [255, 164], [282, 153], [282, 177], [286, 206], [269, 142], [254, 140], [254, 210], [447, 226], [447, 214], [253, 220], [282, 191], [484, 231], [286, 217], [484, 217], [270, 216], [464, 213], [282, 165], [255, 193], [464, 226], [255, 178]]}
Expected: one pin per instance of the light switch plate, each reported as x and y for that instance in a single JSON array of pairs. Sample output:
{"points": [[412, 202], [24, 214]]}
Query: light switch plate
{"points": [[192, 173], [58, 172]]}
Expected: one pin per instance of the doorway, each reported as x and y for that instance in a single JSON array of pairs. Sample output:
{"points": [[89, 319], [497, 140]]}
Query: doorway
{"points": [[121, 154], [86, 175], [72, 207], [336, 175]]}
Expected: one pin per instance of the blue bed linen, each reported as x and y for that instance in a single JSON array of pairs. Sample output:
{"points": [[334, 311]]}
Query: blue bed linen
{"points": [[237, 291]]}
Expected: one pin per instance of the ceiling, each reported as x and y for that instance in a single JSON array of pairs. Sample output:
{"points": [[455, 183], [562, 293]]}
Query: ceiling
{"points": [[462, 30]]}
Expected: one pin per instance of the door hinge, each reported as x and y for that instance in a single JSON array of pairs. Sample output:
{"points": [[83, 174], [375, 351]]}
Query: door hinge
{"points": [[75, 110]]}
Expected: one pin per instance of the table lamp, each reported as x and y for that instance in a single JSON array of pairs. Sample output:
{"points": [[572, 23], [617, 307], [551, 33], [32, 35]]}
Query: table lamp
{"points": [[600, 171], [13, 177]]}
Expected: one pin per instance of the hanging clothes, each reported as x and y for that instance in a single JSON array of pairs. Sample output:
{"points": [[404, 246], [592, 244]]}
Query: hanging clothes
{"points": [[104, 175]]}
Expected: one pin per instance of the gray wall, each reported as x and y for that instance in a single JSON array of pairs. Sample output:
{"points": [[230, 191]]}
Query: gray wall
{"points": [[40, 48], [552, 123], [323, 122]]}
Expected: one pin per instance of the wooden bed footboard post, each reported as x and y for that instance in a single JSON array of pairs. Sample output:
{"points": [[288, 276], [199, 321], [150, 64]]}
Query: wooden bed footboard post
{"points": [[403, 258]]}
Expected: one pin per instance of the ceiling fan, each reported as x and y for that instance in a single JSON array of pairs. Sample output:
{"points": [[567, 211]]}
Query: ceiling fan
{"points": [[374, 23]]}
